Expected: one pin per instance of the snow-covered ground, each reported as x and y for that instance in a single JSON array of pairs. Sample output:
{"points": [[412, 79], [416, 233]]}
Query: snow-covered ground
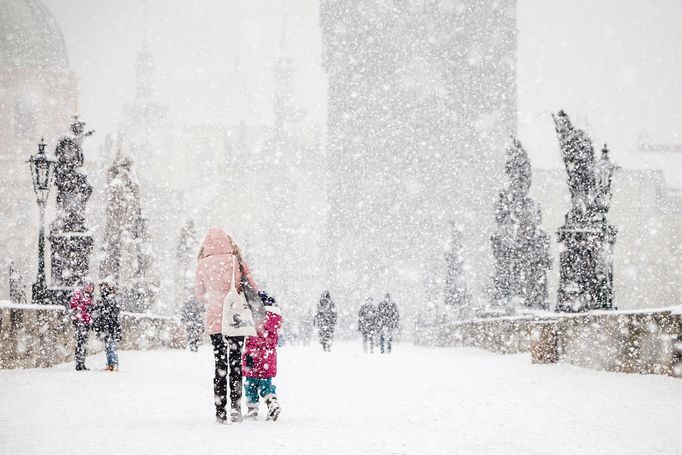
{"points": [[416, 400]]}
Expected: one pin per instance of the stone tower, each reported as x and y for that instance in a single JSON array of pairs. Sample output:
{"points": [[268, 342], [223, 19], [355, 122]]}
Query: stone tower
{"points": [[422, 95]]}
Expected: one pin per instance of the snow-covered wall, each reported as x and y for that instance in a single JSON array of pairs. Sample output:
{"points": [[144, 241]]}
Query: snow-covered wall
{"points": [[34, 336], [645, 342]]}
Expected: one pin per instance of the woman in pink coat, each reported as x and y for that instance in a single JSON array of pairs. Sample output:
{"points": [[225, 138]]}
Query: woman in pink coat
{"points": [[219, 260]]}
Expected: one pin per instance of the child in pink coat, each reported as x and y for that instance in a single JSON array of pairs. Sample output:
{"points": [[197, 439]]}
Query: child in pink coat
{"points": [[81, 304], [259, 362]]}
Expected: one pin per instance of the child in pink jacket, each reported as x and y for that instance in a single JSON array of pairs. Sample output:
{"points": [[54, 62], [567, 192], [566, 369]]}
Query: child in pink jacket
{"points": [[259, 362], [81, 304]]}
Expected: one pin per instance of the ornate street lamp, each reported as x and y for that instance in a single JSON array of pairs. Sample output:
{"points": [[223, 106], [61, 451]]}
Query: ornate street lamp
{"points": [[604, 169], [41, 173]]}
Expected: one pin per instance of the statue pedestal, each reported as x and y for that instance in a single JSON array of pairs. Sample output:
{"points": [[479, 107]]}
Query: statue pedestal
{"points": [[586, 268], [70, 263]]}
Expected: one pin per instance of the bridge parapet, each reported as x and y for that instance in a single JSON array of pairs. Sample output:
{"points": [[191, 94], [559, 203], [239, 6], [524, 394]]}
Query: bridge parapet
{"points": [[645, 342], [35, 336]]}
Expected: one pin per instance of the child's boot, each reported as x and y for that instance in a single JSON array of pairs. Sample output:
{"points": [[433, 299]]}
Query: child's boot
{"points": [[273, 407], [252, 411]]}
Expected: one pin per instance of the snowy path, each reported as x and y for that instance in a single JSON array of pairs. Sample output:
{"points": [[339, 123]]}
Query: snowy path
{"points": [[417, 400]]}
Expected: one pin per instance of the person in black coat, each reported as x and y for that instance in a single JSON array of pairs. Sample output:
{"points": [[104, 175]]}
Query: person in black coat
{"points": [[389, 318], [192, 317], [108, 322], [367, 324], [325, 320]]}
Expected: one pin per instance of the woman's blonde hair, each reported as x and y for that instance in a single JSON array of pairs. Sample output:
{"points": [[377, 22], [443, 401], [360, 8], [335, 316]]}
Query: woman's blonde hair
{"points": [[201, 253]]}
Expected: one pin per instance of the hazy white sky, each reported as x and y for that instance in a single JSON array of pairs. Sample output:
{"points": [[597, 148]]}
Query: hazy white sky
{"points": [[197, 46], [613, 64]]}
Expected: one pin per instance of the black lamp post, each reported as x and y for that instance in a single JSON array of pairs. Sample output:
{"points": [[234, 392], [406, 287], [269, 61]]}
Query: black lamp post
{"points": [[41, 173], [604, 169]]}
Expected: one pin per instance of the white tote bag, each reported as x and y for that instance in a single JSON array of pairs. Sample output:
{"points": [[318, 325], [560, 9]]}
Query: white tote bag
{"points": [[237, 317]]}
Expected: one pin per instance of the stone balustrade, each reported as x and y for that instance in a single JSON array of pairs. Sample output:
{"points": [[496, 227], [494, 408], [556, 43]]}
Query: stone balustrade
{"points": [[42, 335], [645, 342]]}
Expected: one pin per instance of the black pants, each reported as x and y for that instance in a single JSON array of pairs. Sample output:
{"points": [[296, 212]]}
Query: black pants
{"points": [[326, 341], [385, 336], [81, 344], [368, 339], [193, 339], [227, 349]]}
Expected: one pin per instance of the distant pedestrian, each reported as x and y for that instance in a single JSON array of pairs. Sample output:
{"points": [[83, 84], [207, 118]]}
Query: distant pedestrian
{"points": [[325, 320], [259, 362], [389, 319], [220, 268], [108, 323], [191, 316], [367, 324], [81, 308]]}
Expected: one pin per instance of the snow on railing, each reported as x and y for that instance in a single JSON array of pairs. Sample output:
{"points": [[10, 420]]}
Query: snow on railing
{"points": [[34, 335], [632, 341], [30, 306]]}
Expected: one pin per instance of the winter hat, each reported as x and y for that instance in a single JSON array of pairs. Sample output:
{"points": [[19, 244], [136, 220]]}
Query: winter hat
{"points": [[107, 283], [88, 285], [267, 299]]}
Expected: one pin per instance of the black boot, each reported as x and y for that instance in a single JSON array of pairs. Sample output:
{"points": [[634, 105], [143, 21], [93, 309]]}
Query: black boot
{"points": [[221, 416], [273, 407]]}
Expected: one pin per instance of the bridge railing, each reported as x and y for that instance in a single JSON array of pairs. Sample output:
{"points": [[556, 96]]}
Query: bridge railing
{"points": [[645, 342], [42, 335]]}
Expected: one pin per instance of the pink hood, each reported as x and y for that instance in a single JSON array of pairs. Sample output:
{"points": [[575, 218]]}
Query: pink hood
{"points": [[217, 242], [214, 276]]}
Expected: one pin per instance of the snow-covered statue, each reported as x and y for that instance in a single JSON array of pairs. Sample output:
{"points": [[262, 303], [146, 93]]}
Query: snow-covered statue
{"points": [[69, 237], [586, 263], [520, 247], [73, 189], [127, 258], [457, 297]]}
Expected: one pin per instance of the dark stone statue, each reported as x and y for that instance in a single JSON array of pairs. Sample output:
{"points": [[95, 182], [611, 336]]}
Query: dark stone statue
{"points": [[586, 263], [520, 247], [70, 239]]}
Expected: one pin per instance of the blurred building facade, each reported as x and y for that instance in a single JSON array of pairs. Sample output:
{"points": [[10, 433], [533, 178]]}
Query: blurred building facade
{"points": [[264, 183], [38, 97]]}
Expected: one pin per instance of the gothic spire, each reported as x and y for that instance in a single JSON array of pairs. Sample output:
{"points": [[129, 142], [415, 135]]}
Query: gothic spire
{"points": [[145, 69]]}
